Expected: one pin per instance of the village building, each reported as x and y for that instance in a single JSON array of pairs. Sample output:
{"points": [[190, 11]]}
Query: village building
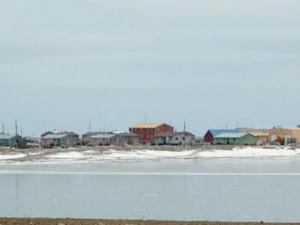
{"points": [[261, 137], [284, 136], [59, 139], [163, 138], [101, 139], [183, 138], [86, 138], [210, 134], [147, 131], [31, 142], [235, 139], [175, 138], [123, 139], [8, 140]]}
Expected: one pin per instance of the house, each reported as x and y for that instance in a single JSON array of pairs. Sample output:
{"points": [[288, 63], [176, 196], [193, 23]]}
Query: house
{"points": [[235, 139], [61, 139], [86, 138], [284, 136], [124, 139], [183, 138], [210, 134], [163, 138], [31, 142], [147, 131], [175, 138], [261, 137], [103, 139], [8, 140]]}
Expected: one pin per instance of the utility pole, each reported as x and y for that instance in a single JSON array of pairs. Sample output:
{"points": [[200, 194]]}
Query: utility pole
{"points": [[184, 126], [3, 128], [16, 127], [146, 118], [90, 126]]}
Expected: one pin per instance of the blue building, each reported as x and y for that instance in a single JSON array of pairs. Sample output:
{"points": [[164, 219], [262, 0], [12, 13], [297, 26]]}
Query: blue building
{"points": [[212, 133], [8, 140]]}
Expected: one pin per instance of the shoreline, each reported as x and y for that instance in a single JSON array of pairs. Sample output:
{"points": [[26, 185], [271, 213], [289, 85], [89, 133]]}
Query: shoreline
{"points": [[142, 153], [69, 221]]}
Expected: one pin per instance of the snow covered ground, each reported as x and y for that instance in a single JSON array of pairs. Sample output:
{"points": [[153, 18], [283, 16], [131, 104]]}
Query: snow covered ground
{"points": [[61, 156]]}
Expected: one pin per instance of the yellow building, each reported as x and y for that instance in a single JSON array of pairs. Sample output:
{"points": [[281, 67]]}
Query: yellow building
{"points": [[284, 136]]}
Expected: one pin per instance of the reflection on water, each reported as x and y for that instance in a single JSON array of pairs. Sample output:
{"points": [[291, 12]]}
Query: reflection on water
{"points": [[70, 193]]}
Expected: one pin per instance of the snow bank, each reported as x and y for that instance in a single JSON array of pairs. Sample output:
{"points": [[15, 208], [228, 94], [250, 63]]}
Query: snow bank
{"points": [[67, 155], [142, 155], [249, 152], [11, 156]]}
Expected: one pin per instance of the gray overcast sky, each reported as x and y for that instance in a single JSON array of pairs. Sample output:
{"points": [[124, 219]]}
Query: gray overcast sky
{"points": [[209, 62]]}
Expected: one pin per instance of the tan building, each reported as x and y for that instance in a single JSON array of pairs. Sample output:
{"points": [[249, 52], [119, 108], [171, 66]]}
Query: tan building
{"points": [[261, 137], [284, 136]]}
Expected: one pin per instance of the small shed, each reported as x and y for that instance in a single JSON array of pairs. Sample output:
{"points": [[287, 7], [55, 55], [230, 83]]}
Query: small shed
{"points": [[235, 139], [124, 139]]}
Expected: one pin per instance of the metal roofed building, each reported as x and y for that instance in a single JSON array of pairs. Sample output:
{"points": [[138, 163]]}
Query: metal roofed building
{"points": [[86, 137], [123, 139], [147, 131], [61, 139], [8, 140], [175, 138], [101, 139], [183, 138], [211, 133], [235, 139]]}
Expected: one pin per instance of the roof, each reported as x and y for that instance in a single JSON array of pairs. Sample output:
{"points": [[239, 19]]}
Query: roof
{"points": [[216, 132], [252, 130], [127, 134], [259, 134], [103, 136], [231, 135], [185, 133], [90, 133], [165, 134], [146, 125], [57, 135], [5, 136]]}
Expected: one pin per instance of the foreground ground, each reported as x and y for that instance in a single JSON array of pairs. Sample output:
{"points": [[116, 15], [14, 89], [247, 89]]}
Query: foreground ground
{"points": [[11, 221]]}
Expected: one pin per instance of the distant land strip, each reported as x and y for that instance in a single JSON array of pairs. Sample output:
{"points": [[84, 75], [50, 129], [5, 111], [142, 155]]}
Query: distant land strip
{"points": [[33, 172], [28, 221]]}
